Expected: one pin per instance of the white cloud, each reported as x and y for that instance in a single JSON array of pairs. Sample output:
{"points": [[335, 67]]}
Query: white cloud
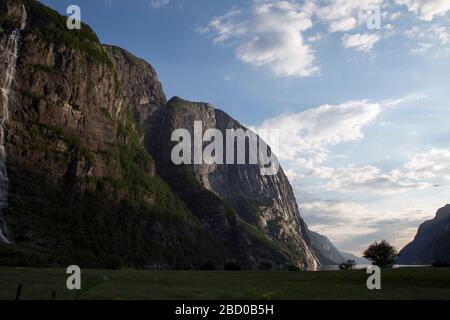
{"points": [[433, 166], [273, 34], [224, 27], [421, 48], [367, 192], [352, 226], [426, 10], [310, 132], [442, 33], [309, 135], [430, 34], [344, 24], [315, 38], [269, 35], [360, 42], [364, 179], [421, 171], [395, 15]]}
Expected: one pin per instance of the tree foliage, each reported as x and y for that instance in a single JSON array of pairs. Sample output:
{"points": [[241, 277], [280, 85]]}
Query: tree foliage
{"points": [[381, 254]]}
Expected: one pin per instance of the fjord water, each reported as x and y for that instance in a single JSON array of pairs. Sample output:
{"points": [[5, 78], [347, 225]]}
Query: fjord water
{"points": [[365, 266], [9, 44]]}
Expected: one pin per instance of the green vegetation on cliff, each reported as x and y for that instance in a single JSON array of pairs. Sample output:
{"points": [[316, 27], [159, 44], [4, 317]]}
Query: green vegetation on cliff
{"points": [[83, 189], [48, 25]]}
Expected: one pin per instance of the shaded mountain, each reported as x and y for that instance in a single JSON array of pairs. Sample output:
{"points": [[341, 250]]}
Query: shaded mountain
{"points": [[431, 243], [89, 178], [81, 185], [324, 249]]}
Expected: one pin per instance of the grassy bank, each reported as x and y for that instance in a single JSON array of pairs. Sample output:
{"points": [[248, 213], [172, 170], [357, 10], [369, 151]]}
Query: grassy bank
{"points": [[406, 283]]}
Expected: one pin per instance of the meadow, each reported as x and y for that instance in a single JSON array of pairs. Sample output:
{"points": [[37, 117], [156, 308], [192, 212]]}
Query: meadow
{"points": [[404, 283]]}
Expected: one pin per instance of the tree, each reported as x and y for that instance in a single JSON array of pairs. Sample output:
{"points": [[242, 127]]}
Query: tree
{"points": [[381, 254], [347, 265]]}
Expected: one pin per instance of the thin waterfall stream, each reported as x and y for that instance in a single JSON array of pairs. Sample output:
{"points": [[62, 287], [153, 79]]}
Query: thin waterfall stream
{"points": [[9, 45]]}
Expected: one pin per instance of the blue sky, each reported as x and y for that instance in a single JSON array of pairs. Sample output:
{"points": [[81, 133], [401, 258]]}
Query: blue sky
{"points": [[364, 112]]}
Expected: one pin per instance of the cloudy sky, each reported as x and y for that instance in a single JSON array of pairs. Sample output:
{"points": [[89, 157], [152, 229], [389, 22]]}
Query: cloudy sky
{"points": [[362, 103]]}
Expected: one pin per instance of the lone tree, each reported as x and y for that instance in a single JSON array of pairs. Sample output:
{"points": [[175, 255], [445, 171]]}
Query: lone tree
{"points": [[381, 254]]}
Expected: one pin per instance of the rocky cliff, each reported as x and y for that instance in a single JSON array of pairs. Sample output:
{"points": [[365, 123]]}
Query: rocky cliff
{"points": [[324, 249], [431, 243], [86, 161], [81, 185], [253, 214]]}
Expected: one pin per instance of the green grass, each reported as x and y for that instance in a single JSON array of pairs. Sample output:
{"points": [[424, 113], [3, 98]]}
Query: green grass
{"points": [[406, 283]]}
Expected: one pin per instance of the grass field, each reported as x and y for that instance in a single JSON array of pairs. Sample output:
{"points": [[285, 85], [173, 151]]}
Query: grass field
{"points": [[405, 283]]}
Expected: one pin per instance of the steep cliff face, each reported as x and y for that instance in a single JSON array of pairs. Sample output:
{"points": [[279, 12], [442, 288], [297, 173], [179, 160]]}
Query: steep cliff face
{"points": [[259, 213], [81, 185], [431, 243], [84, 119], [324, 249], [8, 60], [142, 92]]}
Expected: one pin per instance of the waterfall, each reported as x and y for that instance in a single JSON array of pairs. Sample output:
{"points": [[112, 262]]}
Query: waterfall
{"points": [[9, 46]]}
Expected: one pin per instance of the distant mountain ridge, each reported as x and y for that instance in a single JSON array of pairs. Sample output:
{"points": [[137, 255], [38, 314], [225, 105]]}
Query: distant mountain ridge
{"points": [[431, 243]]}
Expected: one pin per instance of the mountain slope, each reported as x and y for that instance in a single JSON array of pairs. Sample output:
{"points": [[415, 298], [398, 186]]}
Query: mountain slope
{"points": [[324, 249], [82, 187], [89, 176], [431, 243], [252, 214]]}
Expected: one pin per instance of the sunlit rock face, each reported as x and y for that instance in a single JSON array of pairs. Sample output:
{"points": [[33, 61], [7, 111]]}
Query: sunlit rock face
{"points": [[262, 221]]}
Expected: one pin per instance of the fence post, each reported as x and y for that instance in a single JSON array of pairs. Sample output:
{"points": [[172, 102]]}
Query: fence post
{"points": [[19, 291]]}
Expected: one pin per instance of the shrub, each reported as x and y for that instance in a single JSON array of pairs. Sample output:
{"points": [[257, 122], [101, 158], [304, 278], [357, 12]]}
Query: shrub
{"points": [[347, 265]]}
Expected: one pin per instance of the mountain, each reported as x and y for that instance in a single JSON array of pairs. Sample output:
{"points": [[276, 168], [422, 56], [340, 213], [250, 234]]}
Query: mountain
{"points": [[253, 214], [431, 243], [86, 174], [81, 186], [358, 260], [324, 249]]}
